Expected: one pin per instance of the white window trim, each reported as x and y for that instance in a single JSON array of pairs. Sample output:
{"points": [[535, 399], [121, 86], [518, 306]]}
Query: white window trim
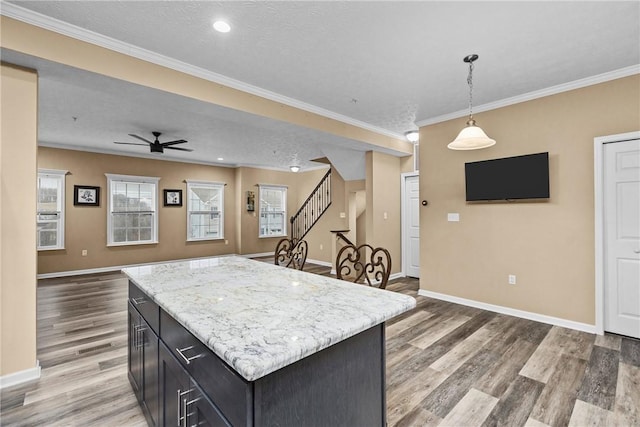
{"points": [[206, 184], [61, 226], [131, 178], [286, 195]]}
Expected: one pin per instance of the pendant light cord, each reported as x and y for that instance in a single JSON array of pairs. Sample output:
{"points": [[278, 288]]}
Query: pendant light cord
{"points": [[470, 82]]}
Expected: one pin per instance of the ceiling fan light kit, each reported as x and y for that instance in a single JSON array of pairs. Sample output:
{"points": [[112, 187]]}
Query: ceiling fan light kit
{"points": [[471, 137]]}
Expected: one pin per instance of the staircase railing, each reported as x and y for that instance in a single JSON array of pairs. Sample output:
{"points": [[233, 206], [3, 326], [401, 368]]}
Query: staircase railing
{"points": [[312, 209], [345, 238]]}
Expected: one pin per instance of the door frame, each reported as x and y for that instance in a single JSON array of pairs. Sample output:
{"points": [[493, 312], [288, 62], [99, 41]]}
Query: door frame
{"points": [[598, 176], [403, 216]]}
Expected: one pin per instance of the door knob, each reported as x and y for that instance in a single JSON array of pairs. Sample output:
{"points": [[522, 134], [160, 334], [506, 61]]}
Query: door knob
{"points": [[637, 251]]}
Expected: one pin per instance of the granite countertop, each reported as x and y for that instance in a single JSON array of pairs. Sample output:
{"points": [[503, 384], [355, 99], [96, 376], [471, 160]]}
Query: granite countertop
{"points": [[259, 317]]}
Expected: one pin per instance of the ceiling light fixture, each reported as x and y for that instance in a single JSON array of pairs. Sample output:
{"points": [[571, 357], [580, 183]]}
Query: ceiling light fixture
{"points": [[221, 27], [220, 159], [294, 168], [412, 135], [471, 137]]}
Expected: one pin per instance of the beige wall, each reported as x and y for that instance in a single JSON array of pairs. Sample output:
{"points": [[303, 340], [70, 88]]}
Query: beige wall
{"points": [[548, 245], [299, 187], [320, 235], [383, 205], [248, 180], [86, 227], [17, 219]]}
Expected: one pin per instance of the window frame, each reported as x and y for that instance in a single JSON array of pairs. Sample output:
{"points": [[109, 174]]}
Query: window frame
{"points": [[60, 229], [133, 179], [205, 184], [282, 188]]}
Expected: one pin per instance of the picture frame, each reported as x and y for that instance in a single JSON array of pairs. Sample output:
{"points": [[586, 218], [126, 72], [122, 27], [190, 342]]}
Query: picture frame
{"points": [[172, 198], [86, 195]]}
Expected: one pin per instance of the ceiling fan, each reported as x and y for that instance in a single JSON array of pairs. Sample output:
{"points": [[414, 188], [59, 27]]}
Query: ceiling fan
{"points": [[157, 146]]}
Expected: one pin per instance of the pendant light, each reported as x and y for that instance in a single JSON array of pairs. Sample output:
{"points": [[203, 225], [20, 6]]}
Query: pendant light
{"points": [[471, 137]]}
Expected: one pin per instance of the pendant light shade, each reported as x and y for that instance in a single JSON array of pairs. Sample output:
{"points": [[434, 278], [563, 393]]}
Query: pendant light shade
{"points": [[471, 137]]}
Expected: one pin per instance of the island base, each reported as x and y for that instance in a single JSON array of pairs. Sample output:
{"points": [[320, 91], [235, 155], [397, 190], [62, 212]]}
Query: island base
{"points": [[179, 381]]}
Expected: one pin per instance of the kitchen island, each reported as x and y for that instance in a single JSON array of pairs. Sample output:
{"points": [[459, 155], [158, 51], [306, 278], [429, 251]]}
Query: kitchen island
{"points": [[232, 341]]}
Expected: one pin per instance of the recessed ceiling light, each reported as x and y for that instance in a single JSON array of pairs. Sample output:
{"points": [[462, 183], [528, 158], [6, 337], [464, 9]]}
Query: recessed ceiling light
{"points": [[220, 159], [221, 27]]}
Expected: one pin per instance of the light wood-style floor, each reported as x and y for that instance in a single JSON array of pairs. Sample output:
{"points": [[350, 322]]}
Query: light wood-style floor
{"points": [[446, 365]]}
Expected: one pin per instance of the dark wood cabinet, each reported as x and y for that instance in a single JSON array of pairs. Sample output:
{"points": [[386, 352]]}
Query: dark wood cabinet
{"points": [[135, 352], [182, 401], [143, 364], [179, 381]]}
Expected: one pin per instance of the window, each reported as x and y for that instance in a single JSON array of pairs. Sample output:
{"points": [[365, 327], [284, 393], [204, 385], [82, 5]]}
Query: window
{"points": [[132, 210], [205, 210], [273, 211], [50, 209]]}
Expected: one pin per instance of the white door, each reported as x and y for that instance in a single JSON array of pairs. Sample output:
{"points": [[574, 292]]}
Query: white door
{"points": [[622, 237], [411, 220]]}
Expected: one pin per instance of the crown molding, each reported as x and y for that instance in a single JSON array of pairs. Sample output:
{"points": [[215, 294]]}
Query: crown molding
{"points": [[37, 19], [303, 168], [553, 90]]}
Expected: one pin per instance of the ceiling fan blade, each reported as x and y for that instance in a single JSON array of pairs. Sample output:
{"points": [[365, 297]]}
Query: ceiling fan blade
{"points": [[178, 148], [129, 143], [177, 141], [141, 138]]}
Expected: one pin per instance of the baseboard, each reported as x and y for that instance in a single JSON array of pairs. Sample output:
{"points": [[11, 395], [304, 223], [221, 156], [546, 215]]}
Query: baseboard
{"points": [[20, 377], [257, 255], [318, 262], [570, 324], [120, 267], [117, 267], [391, 277], [396, 275]]}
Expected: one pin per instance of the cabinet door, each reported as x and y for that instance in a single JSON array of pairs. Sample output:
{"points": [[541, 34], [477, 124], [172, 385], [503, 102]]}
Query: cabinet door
{"points": [[149, 344], [135, 352], [201, 412], [173, 388]]}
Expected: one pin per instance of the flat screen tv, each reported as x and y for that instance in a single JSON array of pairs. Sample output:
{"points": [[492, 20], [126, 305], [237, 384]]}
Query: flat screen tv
{"points": [[520, 177]]}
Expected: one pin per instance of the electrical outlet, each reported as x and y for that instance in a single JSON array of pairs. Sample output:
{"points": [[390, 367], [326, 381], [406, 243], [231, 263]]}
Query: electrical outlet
{"points": [[84, 252], [512, 279], [321, 246], [226, 242]]}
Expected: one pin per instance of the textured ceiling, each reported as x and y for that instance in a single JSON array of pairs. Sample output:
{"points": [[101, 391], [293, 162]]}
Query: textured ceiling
{"points": [[389, 64]]}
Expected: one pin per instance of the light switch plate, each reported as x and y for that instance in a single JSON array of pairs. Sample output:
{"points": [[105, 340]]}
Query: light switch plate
{"points": [[453, 217]]}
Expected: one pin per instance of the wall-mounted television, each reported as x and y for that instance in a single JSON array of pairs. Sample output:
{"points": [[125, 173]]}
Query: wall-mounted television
{"points": [[509, 178]]}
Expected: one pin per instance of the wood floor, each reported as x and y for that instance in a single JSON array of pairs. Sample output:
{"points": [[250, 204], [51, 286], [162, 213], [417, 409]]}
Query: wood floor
{"points": [[446, 365]]}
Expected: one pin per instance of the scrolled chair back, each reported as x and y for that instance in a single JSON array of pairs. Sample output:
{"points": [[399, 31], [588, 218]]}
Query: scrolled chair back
{"points": [[364, 264], [291, 253]]}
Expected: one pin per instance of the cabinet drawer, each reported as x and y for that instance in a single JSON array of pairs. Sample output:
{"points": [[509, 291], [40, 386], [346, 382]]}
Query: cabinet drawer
{"points": [[230, 392], [147, 308]]}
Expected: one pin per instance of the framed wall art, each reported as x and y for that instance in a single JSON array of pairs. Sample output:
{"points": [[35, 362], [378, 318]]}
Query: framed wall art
{"points": [[86, 195], [172, 197]]}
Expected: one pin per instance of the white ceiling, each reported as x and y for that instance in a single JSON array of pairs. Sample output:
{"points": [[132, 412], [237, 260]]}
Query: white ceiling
{"points": [[385, 65]]}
